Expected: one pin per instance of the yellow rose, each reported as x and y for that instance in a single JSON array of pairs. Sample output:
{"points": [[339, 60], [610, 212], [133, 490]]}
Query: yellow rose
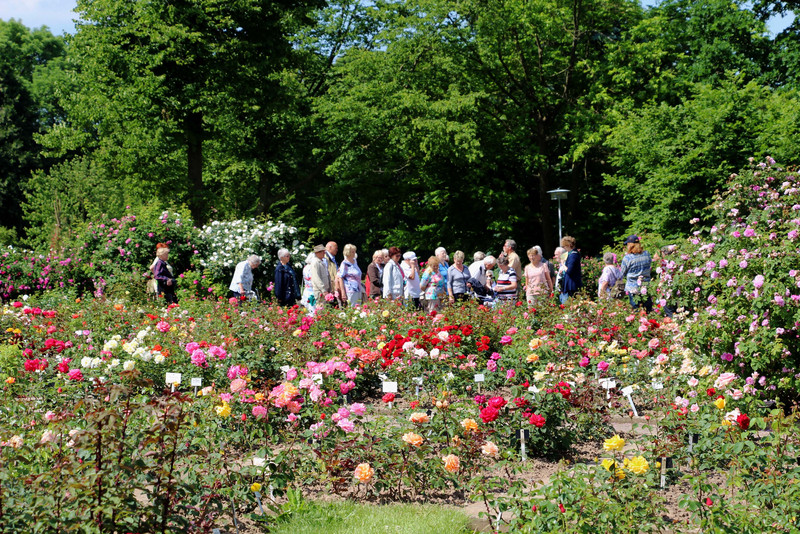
{"points": [[532, 358], [255, 487], [619, 473], [385, 313], [608, 463], [720, 403], [535, 343], [638, 465], [224, 410], [381, 345], [297, 333], [614, 443], [470, 425]]}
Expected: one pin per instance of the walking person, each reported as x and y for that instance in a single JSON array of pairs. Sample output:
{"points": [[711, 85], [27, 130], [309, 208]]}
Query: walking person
{"points": [[349, 276], [413, 289], [393, 276], [458, 277], [286, 290], [635, 268], [537, 277], [164, 276], [242, 281], [572, 281]]}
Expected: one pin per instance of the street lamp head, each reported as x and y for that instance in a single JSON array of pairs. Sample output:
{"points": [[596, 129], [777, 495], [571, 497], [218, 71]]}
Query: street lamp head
{"points": [[558, 194]]}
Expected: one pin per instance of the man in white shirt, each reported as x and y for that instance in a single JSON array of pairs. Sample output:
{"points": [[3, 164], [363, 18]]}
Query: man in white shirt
{"points": [[242, 282], [320, 279]]}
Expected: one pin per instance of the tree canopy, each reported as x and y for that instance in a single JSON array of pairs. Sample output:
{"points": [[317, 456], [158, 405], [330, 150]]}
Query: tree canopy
{"points": [[412, 122]]}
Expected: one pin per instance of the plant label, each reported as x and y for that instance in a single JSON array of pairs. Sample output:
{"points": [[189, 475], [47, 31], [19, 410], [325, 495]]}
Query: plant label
{"points": [[449, 376], [533, 389], [523, 434], [657, 385], [317, 378], [173, 378], [418, 382], [215, 531], [480, 378], [626, 391], [197, 382], [285, 368], [259, 461], [390, 387]]}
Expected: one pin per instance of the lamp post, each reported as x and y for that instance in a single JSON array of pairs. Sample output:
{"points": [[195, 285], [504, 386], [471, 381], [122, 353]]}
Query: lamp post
{"points": [[559, 194]]}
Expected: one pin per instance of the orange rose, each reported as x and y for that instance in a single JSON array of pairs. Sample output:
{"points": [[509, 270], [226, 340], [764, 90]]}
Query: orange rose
{"points": [[418, 418], [413, 439], [364, 473], [451, 463], [469, 425], [490, 449]]}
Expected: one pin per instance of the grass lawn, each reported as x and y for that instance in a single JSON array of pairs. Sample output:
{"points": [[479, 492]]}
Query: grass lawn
{"points": [[351, 518]]}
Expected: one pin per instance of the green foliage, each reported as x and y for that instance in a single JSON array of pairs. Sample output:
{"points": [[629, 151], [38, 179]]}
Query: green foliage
{"points": [[672, 159], [739, 278]]}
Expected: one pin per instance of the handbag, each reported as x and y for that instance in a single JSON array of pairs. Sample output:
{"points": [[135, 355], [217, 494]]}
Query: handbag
{"points": [[618, 291]]}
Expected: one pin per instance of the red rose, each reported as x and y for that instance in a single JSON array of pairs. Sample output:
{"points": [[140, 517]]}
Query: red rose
{"points": [[710, 391], [743, 421], [489, 414], [497, 402], [389, 397], [537, 420]]}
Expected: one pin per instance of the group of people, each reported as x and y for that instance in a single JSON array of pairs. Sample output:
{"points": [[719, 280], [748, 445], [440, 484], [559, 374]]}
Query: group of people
{"points": [[397, 275]]}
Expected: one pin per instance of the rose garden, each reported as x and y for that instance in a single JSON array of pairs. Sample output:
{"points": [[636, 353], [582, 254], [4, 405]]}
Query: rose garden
{"points": [[122, 415]]}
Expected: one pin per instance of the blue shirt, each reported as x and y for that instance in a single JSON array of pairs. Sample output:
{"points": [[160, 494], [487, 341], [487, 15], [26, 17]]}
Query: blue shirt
{"points": [[633, 266]]}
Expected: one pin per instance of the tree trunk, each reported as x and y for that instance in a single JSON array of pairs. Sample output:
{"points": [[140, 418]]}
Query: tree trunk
{"points": [[194, 154]]}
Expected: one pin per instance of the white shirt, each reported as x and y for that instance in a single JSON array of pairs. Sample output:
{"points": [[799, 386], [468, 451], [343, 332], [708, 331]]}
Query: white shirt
{"points": [[242, 275], [392, 280], [477, 270], [413, 289]]}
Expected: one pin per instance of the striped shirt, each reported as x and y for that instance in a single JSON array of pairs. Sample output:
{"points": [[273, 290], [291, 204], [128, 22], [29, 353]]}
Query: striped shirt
{"points": [[505, 279]]}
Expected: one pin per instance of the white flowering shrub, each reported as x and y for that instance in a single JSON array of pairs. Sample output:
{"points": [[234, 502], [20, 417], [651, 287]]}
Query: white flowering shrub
{"points": [[223, 244]]}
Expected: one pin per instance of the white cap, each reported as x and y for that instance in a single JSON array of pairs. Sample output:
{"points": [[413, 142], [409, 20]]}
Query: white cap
{"points": [[410, 255]]}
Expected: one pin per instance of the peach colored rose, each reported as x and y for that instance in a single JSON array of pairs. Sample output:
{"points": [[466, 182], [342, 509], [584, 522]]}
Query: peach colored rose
{"points": [[469, 425], [451, 463], [364, 473], [490, 449], [418, 418], [413, 439]]}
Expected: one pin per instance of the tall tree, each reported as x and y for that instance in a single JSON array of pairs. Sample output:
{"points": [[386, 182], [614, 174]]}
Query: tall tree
{"points": [[27, 60], [470, 112], [160, 79]]}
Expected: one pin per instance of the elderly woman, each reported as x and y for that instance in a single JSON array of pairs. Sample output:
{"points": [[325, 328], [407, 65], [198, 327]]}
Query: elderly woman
{"points": [[635, 268], [458, 277], [242, 281], [286, 290], [537, 277], [572, 281], [308, 289], [349, 276], [164, 276], [433, 283], [393, 275], [375, 275], [609, 276]]}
